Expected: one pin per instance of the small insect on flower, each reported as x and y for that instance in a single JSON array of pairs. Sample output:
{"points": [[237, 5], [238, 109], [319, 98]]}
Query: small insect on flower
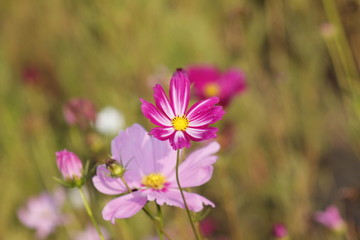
{"points": [[150, 174]]}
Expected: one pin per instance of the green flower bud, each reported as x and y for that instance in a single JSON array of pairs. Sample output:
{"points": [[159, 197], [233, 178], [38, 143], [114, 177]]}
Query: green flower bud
{"points": [[116, 169]]}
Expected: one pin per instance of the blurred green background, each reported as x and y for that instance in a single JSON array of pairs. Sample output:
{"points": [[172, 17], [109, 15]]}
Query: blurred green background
{"points": [[295, 142]]}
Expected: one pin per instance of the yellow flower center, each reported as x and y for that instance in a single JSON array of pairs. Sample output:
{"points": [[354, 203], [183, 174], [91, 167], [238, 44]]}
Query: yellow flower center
{"points": [[212, 90], [180, 123], [154, 180]]}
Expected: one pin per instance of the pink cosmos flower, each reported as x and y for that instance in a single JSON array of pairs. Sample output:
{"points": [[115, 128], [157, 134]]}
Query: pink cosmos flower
{"points": [[42, 213], [79, 111], [177, 124], [209, 82], [69, 165], [330, 218], [150, 174]]}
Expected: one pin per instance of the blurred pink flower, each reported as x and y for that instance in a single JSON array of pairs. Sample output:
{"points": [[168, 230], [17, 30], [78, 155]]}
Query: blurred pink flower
{"points": [[69, 165], [90, 233], [330, 218], [150, 174], [177, 124], [279, 231], [327, 30], [30, 75], [42, 213], [209, 82], [79, 111], [208, 226]]}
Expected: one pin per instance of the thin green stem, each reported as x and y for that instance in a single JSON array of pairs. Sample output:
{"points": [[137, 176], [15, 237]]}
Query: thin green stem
{"points": [[91, 215], [158, 224], [183, 197], [126, 185], [161, 222]]}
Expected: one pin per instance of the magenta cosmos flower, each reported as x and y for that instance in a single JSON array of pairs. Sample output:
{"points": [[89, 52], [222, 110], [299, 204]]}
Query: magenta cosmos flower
{"points": [[209, 82], [42, 213], [150, 174], [178, 124], [330, 218]]}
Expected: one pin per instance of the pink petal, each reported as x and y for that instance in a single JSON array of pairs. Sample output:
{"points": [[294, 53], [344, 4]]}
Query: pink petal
{"points": [[179, 140], [172, 197], [201, 134], [179, 92], [232, 82], [197, 168], [330, 217], [140, 152], [133, 147], [106, 184], [124, 207], [26, 218], [207, 117], [164, 156], [201, 106], [162, 133], [162, 102], [202, 75], [154, 115]]}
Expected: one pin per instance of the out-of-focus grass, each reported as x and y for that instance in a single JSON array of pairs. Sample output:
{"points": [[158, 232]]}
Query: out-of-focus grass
{"points": [[284, 126]]}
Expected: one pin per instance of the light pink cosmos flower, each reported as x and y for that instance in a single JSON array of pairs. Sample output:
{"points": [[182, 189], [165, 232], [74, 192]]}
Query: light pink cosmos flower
{"points": [[330, 218], [69, 165], [42, 213], [177, 124], [209, 82], [90, 233], [150, 174]]}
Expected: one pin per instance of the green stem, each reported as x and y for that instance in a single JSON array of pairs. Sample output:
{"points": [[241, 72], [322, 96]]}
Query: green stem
{"points": [[161, 222], [183, 197], [91, 215], [126, 185]]}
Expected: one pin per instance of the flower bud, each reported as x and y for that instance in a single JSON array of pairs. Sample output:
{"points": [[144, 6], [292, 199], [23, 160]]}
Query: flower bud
{"points": [[70, 167], [116, 169]]}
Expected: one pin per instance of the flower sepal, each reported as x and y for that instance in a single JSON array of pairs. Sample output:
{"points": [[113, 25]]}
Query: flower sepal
{"points": [[75, 181]]}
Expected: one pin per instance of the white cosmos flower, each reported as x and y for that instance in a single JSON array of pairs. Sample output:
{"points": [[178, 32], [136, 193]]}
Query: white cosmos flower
{"points": [[109, 121]]}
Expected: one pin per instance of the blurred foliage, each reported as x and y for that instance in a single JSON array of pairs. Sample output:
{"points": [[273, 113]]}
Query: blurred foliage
{"points": [[294, 139]]}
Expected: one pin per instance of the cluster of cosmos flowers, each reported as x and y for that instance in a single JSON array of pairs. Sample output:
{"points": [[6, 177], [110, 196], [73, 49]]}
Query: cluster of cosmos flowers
{"points": [[143, 165]]}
